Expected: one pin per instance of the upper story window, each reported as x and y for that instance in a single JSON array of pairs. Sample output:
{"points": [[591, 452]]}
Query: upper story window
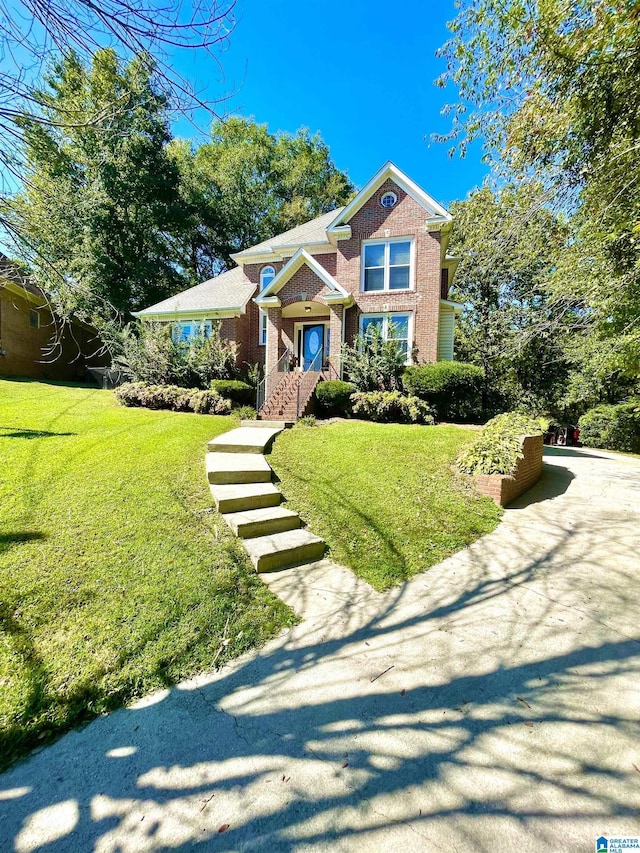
{"points": [[388, 200], [387, 265], [186, 331], [267, 274]]}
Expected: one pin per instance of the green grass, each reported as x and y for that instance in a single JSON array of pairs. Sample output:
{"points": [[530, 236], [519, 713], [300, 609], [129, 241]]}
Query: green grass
{"points": [[115, 578], [383, 496]]}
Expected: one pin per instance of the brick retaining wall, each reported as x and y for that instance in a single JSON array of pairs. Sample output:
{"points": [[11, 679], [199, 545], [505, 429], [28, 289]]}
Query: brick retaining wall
{"points": [[503, 489]]}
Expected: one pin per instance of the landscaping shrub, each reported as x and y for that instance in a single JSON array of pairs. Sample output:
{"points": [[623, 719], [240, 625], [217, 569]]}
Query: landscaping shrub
{"points": [[307, 421], [238, 392], [391, 407], [372, 363], [146, 352], [246, 413], [334, 397], [616, 427], [499, 446], [209, 403], [453, 388], [172, 397]]}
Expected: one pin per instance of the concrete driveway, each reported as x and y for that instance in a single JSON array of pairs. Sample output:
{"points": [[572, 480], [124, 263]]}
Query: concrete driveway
{"points": [[491, 704]]}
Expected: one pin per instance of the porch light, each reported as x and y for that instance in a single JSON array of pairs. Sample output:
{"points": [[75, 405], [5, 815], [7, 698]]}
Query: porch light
{"points": [[307, 309]]}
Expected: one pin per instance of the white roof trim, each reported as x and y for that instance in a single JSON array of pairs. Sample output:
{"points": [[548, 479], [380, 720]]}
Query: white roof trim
{"points": [[189, 314], [457, 306], [287, 272], [403, 181]]}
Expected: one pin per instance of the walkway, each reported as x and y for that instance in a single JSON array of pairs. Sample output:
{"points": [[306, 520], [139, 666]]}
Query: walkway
{"points": [[491, 704]]}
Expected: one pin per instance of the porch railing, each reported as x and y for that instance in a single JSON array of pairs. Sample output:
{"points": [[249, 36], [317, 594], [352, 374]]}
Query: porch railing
{"points": [[281, 366]]}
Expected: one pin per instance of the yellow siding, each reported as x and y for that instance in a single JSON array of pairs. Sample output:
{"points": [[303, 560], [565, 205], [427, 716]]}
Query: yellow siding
{"points": [[445, 333]]}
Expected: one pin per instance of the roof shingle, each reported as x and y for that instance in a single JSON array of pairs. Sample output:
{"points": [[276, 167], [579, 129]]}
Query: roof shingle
{"points": [[227, 291], [314, 231]]}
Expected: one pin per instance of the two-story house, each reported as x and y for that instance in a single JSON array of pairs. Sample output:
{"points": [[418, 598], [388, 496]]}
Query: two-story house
{"points": [[294, 299]]}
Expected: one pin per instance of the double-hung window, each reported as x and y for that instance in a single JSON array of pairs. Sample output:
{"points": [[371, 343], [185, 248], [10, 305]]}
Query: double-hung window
{"points": [[392, 327], [267, 274], [387, 265], [184, 332]]}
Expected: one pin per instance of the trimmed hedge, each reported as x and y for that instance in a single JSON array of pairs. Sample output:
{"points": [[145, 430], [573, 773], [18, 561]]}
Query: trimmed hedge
{"points": [[391, 407], [499, 446], [238, 392], [616, 427], [334, 397], [453, 388], [172, 397]]}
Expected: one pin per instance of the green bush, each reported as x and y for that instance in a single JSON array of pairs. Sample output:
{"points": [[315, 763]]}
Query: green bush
{"points": [[246, 413], [499, 446], [307, 421], [391, 407], [146, 352], [209, 403], [616, 427], [172, 397], [238, 392], [372, 363], [334, 397], [453, 388]]}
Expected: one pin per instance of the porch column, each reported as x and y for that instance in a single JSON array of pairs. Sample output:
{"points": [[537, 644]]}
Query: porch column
{"points": [[272, 354], [336, 316]]}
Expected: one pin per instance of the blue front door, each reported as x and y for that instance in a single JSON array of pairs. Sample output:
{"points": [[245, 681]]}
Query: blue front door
{"points": [[313, 347]]}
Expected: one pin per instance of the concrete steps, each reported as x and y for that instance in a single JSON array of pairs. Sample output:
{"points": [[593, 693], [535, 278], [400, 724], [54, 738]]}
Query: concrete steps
{"points": [[262, 522], [240, 482], [284, 550], [241, 497], [254, 439], [225, 468]]}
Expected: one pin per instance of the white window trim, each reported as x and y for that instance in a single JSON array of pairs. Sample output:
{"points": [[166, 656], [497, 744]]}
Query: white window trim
{"points": [[386, 241], [262, 317], [385, 315]]}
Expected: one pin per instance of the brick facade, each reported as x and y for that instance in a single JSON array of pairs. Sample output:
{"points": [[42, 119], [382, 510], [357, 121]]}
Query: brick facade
{"points": [[342, 260], [502, 489], [43, 351], [406, 219]]}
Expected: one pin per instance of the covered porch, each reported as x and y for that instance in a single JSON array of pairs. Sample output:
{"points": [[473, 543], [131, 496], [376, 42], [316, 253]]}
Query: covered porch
{"points": [[305, 311]]}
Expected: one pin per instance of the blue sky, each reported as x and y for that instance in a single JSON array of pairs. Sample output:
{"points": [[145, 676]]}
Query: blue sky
{"points": [[360, 72]]}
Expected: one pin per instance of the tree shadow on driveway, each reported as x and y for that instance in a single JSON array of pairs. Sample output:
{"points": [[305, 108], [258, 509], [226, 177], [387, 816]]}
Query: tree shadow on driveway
{"points": [[480, 706]]}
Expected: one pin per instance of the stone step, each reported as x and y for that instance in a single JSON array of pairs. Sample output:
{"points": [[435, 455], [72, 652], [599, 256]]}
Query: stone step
{"points": [[253, 439], [262, 522], [225, 468], [260, 424], [238, 498], [284, 550]]}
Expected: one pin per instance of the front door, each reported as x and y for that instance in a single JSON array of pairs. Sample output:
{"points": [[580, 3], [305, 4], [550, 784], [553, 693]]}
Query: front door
{"points": [[313, 347]]}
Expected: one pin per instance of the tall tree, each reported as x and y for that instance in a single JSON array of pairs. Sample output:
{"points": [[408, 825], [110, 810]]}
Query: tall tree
{"points": [[509, 245], [247, 184], [101, 200], [552, 88]]}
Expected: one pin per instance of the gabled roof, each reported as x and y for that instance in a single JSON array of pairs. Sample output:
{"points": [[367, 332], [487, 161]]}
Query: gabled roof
{"points": [[338, 227], [301, 258], [227, 293], [309, 233]]}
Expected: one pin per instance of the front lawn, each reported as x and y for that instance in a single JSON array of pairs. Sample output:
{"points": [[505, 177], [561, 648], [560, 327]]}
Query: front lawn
{"points": [[383, 496], [115, 577]]}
